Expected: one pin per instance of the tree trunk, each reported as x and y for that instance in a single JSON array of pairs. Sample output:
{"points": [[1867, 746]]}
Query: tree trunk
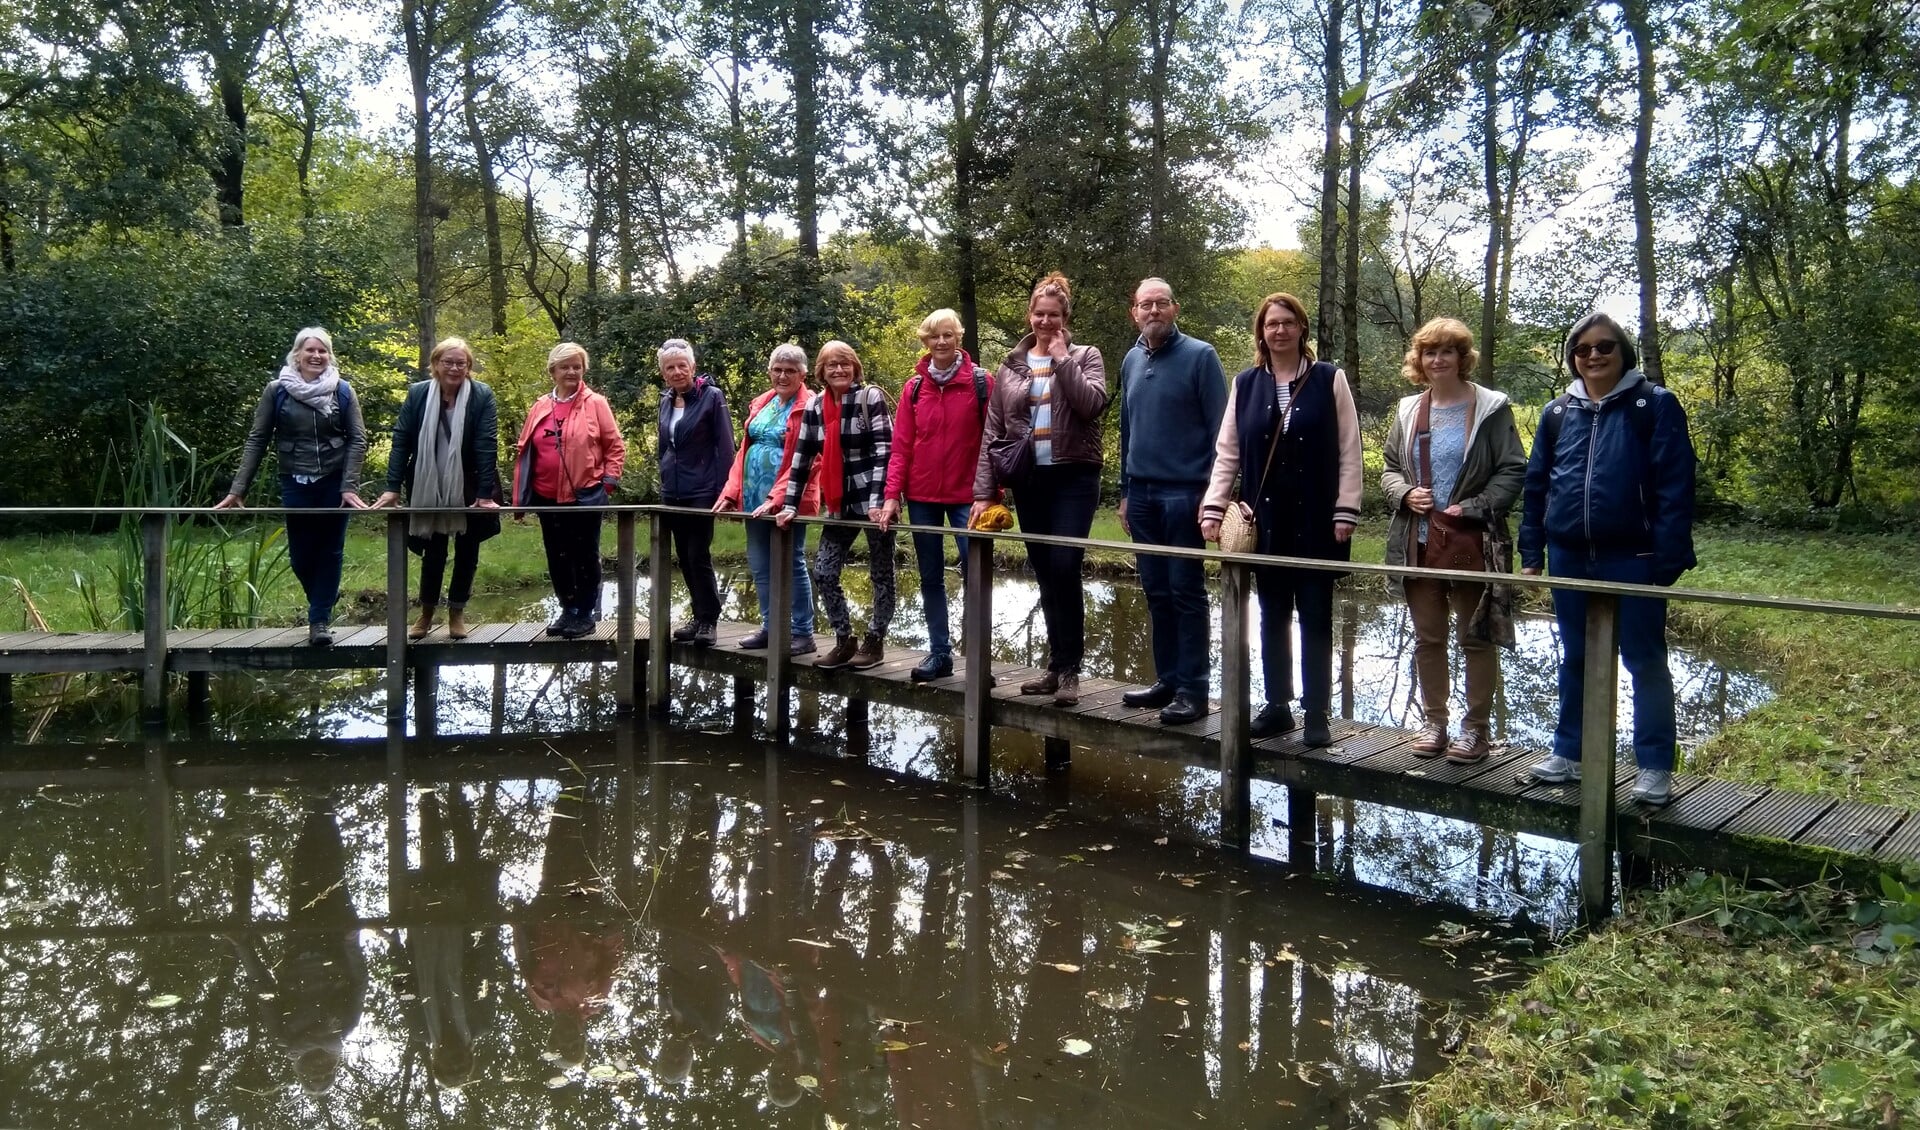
{"points": [[1334, 73], [309, 129], [1165, 23], [803, 57], [737, 133], [229, 181], [1635, 12], [1356, 158], [1490, 167], [489, 197], [420, 25]]}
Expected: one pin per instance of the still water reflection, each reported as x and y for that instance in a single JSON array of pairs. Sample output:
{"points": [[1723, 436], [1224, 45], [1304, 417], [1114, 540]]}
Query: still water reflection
{"points": [[655, 926]]}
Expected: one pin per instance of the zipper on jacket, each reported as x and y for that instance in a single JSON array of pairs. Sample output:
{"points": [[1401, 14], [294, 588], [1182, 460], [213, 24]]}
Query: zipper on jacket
{"points": [[1586, 498]]}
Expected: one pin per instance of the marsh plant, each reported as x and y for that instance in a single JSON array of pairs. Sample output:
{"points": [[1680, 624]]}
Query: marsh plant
{"points": [[219, 573]]}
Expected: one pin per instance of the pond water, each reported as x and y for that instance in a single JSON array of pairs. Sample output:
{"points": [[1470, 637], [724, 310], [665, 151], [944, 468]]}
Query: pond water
{"points": [[516, 909]]}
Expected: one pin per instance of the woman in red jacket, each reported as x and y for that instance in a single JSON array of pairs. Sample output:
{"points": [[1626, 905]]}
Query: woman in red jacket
{"points": [[936, 448], [570, 453], [759, 478]]}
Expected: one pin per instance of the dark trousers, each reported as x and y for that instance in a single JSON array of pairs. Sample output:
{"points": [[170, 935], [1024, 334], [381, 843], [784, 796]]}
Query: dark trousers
{"points": [[572, 542], [316, 543], [1643, 648], [1281, 592], [693, 547], [1176, 588], [1060, 499], [433, 564], [930, 553]]}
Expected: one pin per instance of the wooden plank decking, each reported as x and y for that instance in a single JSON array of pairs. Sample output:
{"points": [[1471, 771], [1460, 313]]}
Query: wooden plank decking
{"points": [[1710, 823]]}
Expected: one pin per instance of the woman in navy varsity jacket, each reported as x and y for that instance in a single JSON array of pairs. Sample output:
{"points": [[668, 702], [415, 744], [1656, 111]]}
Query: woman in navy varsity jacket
{"points": [[696, 451], [1290, 439]]}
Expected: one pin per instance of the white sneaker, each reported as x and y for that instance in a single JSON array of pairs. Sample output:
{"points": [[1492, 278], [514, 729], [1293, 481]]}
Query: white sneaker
{"points": [[1653, 787], [1555, 769]]}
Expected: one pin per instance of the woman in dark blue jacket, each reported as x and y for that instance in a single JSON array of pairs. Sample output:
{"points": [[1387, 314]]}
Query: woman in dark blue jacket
{"points": [[446, 449], [696, 452], [1609, 497]]}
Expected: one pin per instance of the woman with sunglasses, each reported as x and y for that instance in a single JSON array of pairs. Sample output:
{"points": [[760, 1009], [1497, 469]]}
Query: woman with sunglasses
{"points": [[1609, 497]]}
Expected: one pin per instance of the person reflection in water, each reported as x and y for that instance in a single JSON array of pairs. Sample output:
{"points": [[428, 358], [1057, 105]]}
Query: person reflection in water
{"points": [[312, 999], [568, 944], [767, 1010], [455, 978]]}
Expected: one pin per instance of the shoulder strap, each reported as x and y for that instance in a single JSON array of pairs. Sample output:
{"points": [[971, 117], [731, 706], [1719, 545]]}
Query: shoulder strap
{"points": [[1550, 425], [980, 390], [1423, 438], [913, 389]]}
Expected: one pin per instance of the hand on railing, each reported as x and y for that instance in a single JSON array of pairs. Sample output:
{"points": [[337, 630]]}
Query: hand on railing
{"points": [[386, 499], [783, 517], [231, 502], [762, 510], [353, 500], [884, 516], [1530, 570], [973, 515], [485, 504], [723, 504]]}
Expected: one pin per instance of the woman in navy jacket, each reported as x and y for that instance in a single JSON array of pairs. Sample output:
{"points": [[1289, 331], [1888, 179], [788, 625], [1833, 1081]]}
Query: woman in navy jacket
{"points": [[696, 451], [1609, 497]]}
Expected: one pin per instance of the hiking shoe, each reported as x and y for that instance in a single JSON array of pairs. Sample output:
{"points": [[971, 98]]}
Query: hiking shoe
{"points": [[1653, 787], [685, 632], [1555, 770], [319, 635], [1045, 684], [754, 640], [575, 625], [931, 668], [802, 644], [872, 651], [840, 656], [703, 633], [559, 623], [1469, 747], [1317, 733], [1274, 718], [1432, 741], [1067, 689]]}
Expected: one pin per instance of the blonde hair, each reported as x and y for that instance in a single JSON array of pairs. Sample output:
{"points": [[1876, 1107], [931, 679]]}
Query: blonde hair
{"points": [[941, 319], [1055, 285], [448, 345], [567, 350], [1439, 333], [835, 348], [1299, 310], [300, 339]]}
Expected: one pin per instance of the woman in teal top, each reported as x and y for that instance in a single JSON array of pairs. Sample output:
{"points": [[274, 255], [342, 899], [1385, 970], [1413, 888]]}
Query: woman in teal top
{"points": [[759, 480]]}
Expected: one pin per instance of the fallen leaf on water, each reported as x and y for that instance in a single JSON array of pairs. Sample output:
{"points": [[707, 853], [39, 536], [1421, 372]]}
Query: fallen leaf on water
{"points": [[1245, 1045], [1147, 944], [838, 781], [807, 1081], [999, 1048], [602, 1071], [1066, 967], [164, 1000], [556, 1082], [811, 942], [1075, 1047], [1175, 923], [1160, 841], [895, 1045]]}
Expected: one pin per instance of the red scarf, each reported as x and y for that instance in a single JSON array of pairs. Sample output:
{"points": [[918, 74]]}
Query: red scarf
{"points": [[832, 472]]}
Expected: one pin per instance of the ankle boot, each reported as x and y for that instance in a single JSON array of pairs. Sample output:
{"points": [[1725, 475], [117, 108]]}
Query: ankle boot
{"points": [[872, 651], [842, 653], [423, 625], [457, 623], [1318, 731]]}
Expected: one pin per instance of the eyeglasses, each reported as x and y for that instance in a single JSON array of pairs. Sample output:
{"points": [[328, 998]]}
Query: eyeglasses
{"points": [[1151, 304], [1587, 349]]}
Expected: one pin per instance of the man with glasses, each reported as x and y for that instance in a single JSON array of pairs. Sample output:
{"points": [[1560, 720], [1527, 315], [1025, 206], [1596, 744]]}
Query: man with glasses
{"points": [[1609, 497], [1172, 395]]}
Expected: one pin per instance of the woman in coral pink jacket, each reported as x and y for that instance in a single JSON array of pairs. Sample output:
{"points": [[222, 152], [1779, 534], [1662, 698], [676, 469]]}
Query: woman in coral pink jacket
{"points": [[759, 479], [570, 453]]}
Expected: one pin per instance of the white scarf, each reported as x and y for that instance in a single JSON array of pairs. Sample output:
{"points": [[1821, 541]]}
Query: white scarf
{"points": [[317, 394], [439, 476]]}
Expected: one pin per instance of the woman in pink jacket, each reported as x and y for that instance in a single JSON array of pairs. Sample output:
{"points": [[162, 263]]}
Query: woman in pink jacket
{"points": [[570, 453], [759, 479], [936, 449]]}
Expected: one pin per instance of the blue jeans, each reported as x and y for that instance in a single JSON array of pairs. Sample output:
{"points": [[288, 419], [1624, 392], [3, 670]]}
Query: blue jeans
{"points": [[316, 543], [1176, 588], [759, 563], [1643, 648], [930, 551]]}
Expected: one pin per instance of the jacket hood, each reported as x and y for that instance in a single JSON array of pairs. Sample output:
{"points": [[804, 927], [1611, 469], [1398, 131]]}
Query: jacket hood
{"points": [[1486, 401], [1629, 379]]}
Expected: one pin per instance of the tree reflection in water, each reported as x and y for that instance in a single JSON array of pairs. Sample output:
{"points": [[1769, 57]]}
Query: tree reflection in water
{"points": [[742, 941]]}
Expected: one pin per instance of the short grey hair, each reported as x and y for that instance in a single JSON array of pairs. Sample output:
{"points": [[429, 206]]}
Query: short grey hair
{"points": [[789, 353], [676, 347], [301, 338], [1154, 280]]}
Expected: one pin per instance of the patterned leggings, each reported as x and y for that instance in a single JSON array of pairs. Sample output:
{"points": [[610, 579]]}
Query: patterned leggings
{"points": [[836, 542]]}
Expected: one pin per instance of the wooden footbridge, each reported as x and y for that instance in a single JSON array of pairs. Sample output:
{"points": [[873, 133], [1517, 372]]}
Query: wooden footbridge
{"points": [[1710, 823]]}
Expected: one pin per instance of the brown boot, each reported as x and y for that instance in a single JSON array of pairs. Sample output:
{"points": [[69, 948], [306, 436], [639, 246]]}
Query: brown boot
{"points": [[873, 649], [423, 625], [457, 623], [842, 653], [1045, 684], [1068, 693]]}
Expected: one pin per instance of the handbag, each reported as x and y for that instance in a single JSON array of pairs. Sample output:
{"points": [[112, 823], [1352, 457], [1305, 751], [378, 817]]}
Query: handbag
{"points": [[1239, 529], [1011, 456], [1452, 543]]}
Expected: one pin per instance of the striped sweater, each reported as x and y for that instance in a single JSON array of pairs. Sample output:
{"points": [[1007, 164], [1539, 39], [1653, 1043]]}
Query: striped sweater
{"points": [[846, 440]]}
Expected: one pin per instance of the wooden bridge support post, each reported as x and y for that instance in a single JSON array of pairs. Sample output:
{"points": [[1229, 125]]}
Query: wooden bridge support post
{"points": [[153, 678], [626, 677], [1236, 1005], [1596, 755], [859, 729], [398, 798], [1236, 708], [162, 860], [742, 706], [1303, 828], [426, 701], [396, 616], [659, 611], [976, 628], [497, 701], [779, 625]]}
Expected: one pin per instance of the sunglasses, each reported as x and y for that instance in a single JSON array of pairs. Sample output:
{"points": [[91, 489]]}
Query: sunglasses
{"points": [[1604, 348]]}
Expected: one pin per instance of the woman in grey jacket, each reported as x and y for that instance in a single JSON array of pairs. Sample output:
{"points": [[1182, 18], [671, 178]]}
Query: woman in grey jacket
{"points": [[1467, 464], [313, 417]]}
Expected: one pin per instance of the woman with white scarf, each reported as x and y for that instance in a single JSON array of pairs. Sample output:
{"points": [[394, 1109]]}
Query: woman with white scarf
{"points": [[446, 449], [313, 417]]}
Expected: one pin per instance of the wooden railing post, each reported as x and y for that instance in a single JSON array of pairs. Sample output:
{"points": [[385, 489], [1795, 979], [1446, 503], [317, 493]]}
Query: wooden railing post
{"points": [[659, 613], [623, 585], [1597, 718], [976, 628], [779, 626], [1236, 708], [153, 681], [396, 616]]}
